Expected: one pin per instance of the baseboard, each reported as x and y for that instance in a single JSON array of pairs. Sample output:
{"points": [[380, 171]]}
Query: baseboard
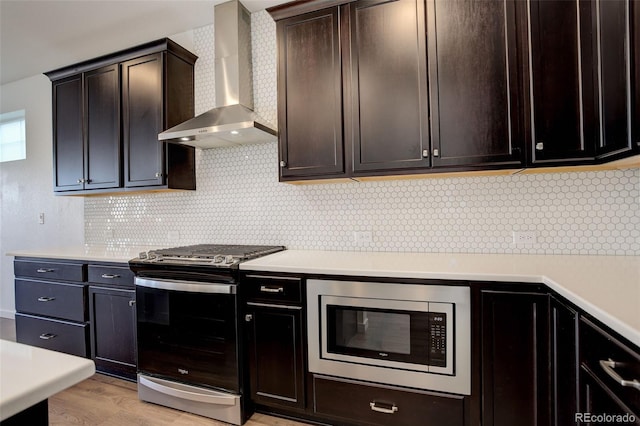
{"points": [[6, 313]]}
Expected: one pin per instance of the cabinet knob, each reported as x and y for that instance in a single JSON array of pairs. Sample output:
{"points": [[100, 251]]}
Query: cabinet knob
{"points": [[283, 163], [82, 180], [158, 175], [132, 302], [539, 146], [425, 153], [248, 318], [436, 152]]}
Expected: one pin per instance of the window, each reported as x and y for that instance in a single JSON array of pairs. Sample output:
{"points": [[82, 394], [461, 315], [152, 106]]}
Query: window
{"points": [[12, 136]]}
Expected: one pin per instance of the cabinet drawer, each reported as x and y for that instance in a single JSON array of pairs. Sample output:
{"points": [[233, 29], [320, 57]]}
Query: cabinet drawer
{"points": [[111, 275], [273, 289], [373, 405], [60, 300], [50, 270], [603, 356], [61, 336]]}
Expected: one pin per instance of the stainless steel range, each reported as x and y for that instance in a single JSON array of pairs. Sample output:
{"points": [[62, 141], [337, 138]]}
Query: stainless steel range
{"points": [[187, 315]]}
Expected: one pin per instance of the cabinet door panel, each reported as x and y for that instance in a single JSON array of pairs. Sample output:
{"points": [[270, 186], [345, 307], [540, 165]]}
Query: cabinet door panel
{"points": [[562, 81], [614, 76], [474, 83], [68, 139], [113, 330], [275, 356], [635, 50], [142, 100], [102, 146], [310, 107], [514, 359], [390, 116], [564, 363]]}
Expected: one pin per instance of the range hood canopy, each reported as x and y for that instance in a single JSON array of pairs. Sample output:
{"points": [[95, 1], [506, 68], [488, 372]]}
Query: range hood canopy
{"points": [[233, 122]]}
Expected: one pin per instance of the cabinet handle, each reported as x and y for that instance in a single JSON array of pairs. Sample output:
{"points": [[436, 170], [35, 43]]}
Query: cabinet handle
{"points": [[425, 153], [44, 271], [265, 289], [132, 302], [47, 336], [46, 299], [539, 146], [158, 175], [608, 367], [436, 152], [110, 276], [248, 318], [392, 410], [283, 163]]}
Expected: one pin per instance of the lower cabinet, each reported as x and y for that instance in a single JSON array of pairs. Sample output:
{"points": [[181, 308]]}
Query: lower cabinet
{"points": [[113, 330], [366, 404], [514, 358], [54, 334], [563, 327], [609, 373], [276, 364]]}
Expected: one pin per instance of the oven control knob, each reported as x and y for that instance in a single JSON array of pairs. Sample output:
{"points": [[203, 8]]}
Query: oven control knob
{"points": [[229, 260], [142, 255], [218, 259]]}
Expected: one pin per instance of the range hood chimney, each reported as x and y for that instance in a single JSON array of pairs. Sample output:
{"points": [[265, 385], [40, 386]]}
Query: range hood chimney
{"points": [[233, 122]]}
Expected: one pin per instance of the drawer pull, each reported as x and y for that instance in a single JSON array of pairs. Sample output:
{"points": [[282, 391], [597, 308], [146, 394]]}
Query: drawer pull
{"points": [[44, 270], [265, 289], [110, 276], [391, 410], [608, 367], [46, 299], [132, 302], [47, 336]]}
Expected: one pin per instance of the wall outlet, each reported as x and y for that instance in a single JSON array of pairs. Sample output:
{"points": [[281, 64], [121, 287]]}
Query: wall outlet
{"points": [[362, 237], [41, 218], [524, 237]]}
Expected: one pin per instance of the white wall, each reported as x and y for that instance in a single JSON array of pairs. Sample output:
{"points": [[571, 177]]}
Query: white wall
{"points": [[27, 188]]}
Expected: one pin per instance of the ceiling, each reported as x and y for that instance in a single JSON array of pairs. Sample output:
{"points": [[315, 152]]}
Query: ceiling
{"points": [[41, 35]]}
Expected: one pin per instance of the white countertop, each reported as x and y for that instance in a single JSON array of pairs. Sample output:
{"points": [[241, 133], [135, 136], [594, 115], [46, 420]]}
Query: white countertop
{"points": [[29, 375], [607, 287], [89, 253]]}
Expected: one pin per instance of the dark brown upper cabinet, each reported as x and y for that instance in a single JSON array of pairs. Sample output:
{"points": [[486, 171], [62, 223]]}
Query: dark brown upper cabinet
{"points": [[107, 114], [389, 120], [474, 78], [613, 44], [310, 95], [635, 49], [68, 137], [562, 81]]}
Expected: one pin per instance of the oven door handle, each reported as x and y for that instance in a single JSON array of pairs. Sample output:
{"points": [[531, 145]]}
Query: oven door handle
{"points": [[189, 396], [186, 286]]}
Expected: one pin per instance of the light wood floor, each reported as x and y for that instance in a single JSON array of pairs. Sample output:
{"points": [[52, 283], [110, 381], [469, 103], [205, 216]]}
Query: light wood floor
{"points": [[106, 401]]}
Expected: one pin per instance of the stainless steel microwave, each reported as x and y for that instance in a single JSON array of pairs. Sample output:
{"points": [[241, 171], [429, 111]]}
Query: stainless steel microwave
{"points": [[403, 334]]}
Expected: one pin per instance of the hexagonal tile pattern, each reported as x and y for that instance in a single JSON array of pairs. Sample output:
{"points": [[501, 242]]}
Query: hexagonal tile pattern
{"points": [[239, 198]]}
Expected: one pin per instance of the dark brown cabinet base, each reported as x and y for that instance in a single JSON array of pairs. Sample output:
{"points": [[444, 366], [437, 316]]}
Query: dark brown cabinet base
{"points": [[357, 403]]}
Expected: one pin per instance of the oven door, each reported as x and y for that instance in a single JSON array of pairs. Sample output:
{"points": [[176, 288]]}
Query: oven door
{"points": [[187, 332]]}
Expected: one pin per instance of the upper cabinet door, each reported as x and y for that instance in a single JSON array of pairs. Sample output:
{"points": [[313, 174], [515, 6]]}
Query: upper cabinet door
{"points": [[310, 95], [142, 120], [102, 144], [474, 81], [562, 85], [613, 54], [389, 118], [68, 137], [635, 106]]}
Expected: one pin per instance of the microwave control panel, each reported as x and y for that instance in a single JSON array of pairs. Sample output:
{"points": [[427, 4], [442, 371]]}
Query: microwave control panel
{"points": [[438, 339]]}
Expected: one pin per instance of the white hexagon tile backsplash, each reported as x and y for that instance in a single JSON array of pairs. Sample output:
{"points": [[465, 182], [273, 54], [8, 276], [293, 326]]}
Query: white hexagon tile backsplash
{"points": [[239, 198]]}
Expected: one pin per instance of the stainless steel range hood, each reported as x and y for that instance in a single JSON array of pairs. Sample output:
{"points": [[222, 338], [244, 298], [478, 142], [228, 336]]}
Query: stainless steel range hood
{"points": [[233, 122]]}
